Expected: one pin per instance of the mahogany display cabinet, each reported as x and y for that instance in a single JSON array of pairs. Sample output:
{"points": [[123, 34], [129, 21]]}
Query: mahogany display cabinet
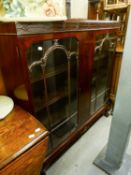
{"points": [[61, 73]]}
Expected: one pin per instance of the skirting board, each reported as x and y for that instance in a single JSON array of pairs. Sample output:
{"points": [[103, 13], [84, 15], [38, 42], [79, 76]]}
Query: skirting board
{"points": [[125, 168]]}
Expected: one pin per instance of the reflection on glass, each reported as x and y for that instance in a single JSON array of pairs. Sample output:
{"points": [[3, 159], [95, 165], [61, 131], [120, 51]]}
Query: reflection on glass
{"points": [[103, 60], [64, 130], [53, 71]]}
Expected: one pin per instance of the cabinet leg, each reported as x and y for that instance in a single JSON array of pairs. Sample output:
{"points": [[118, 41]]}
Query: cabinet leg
{"points": [[43, 172], [108, 113]]}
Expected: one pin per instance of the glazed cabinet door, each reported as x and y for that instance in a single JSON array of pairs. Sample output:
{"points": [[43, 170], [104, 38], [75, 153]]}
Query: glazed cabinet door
{"points": [[53, 80], [102, 70]]}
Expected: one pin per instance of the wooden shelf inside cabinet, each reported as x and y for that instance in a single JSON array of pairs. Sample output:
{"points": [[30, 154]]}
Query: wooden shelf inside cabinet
{"points": [[99, 57], [23, 138], [64, 129], [49, 73], [57, 118], [53, 98]]}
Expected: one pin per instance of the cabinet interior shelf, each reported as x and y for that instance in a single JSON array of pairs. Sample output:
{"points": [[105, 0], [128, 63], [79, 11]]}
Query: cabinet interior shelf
{"points": [[67, 119], [55, 71], [53, 98], [57, 118], [50, 73], [99, 57], [99, 94]]}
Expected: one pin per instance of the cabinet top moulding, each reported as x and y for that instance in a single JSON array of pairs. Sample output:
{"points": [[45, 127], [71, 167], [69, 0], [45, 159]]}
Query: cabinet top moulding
{"points": [[56, 27]]}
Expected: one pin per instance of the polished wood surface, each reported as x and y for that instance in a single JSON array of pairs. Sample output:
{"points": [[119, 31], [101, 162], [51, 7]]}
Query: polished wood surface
{"points": [[2, 86], [116, 71], [8, 48], [119, 48], [69, 25], [20, 131], [29, 163], [86, 34]]}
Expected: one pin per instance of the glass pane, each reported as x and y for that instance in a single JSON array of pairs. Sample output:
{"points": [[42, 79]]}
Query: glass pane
{"points": [[59, 111], [63, 131], [57, 87], [42, 116], [56, 63], [93, 95], [74, 84], [102, 70], [53, 74]]}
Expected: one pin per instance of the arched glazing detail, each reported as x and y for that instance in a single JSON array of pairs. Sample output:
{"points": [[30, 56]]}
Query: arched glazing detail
{"points": [[102, 68], [53, 70]]}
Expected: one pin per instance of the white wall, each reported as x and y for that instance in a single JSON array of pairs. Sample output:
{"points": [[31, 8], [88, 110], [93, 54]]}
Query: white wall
{"points": [[79, 8]]}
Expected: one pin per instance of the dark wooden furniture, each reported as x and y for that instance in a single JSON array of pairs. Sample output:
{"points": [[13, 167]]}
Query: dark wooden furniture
{"points": [[23, 144], [61, 73]]}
